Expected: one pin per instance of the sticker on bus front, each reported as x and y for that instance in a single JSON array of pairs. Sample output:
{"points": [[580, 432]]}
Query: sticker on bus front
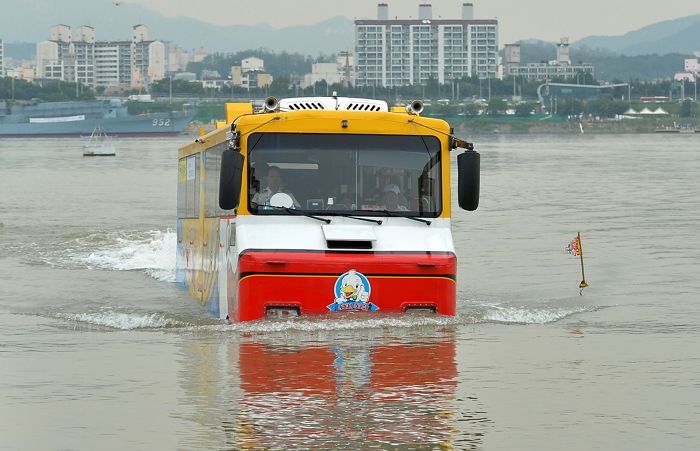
{"points": [[352, 290]]}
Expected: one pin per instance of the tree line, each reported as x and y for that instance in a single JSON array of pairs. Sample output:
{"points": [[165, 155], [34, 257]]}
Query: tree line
{"points": [[45, 90]]}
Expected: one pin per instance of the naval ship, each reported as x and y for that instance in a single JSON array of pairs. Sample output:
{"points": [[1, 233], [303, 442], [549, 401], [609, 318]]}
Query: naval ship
{"points": [[80, 118]]}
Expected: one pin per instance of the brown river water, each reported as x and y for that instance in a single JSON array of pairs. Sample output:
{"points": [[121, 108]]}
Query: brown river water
{"points": [[100, 349]]}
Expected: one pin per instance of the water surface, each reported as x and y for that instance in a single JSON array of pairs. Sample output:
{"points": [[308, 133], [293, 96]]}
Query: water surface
{"points": [[100, 349]]}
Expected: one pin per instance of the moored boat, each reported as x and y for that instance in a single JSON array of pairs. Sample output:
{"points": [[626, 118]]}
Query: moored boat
{"points": [[80, 118], [98, 145]]}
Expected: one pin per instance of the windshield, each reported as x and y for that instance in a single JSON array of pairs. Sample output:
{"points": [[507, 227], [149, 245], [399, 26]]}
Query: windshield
{"points": [[376, 175]]}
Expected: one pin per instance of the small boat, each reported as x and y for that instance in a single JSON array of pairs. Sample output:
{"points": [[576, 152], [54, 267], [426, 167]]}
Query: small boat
{"points": [[98, 145]]}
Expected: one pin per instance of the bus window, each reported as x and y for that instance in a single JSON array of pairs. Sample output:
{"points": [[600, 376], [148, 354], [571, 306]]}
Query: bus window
{"points": [[188, 187], [212, 169], [348, 174]]}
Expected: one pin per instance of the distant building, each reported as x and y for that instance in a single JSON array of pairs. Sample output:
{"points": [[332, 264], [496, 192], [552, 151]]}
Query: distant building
{"points": [[23, 72], [185, 76], [147, 58], [78, 56], [561, 67], [549, 94], [252, 64], [250, 74], [198, 55], [178, 59], [342, 71], [399, 52], [113, 63], [48, 63], [2, 59]]}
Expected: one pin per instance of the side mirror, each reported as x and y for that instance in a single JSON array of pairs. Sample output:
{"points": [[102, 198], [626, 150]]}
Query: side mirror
{"points": [[230, 179], [468, 173]]}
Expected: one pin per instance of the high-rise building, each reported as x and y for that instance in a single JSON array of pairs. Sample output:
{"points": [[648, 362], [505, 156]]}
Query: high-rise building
{"points": [[48, 64], [2, 59], [82, 56], [78, 56], [147, 58], [397, 52], [113, 63]]}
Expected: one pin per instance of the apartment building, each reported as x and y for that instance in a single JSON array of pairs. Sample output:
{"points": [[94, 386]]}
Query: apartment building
{"points": [[400, 52], [2, 59], [562, 67], [75, 55]]}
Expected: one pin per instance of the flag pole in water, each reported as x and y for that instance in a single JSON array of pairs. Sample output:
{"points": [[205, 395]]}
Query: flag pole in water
{"points": [[583, 283]]}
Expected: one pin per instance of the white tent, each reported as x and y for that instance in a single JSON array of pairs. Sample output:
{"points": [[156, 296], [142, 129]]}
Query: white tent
{"points": [[631, 111], [660, 111], [646, 111]]}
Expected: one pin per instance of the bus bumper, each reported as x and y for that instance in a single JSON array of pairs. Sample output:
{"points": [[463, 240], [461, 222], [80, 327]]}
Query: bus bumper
{"points": [[317, 282]]}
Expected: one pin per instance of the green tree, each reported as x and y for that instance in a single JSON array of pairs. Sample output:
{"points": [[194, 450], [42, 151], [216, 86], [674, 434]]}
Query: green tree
{"points": [[686, 108], [524, 109], [497, 106], [280, 86]]}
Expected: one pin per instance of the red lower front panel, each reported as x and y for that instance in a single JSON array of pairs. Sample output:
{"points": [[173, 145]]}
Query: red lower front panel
{"points": [[333, 282]]}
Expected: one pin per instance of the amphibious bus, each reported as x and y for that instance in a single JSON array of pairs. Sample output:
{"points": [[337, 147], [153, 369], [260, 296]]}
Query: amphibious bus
{"points": [[323, 205]]}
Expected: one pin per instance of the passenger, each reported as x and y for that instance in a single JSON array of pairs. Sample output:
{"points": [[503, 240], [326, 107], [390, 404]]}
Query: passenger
{"points": [[254, 182], [274, 186], [392, 195], [385, 178]]}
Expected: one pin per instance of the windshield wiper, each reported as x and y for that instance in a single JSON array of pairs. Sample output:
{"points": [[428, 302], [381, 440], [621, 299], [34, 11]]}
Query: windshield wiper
{"points": [[394, 215], [359, 218], [292, 211]]}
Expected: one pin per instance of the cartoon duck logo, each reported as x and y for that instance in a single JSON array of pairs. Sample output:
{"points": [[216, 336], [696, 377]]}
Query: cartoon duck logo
{"points": [[352, 290]]}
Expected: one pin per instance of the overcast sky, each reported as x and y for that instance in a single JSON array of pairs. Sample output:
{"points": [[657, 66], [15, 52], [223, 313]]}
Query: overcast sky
{"points": [[519, 19]]}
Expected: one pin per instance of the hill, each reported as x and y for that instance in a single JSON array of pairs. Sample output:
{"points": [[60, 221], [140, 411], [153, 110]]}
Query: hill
{"points": [[115, 22], [671, 36]]}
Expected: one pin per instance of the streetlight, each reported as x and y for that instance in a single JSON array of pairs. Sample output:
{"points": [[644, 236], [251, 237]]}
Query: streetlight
{"points": [[629, 93]]}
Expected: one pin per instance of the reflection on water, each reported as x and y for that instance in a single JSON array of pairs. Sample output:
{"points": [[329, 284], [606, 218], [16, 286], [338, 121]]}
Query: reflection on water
{"points": [[338, 393]]}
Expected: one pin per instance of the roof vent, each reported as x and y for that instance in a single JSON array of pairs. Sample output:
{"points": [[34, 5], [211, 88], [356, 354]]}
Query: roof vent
{"points": [[332, 103]]}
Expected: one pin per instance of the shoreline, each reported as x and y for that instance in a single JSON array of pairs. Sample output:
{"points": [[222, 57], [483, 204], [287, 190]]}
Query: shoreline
{"points": [[566, 127]]}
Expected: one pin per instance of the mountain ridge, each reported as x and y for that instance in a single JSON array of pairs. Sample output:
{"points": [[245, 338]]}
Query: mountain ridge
{"points": [[681, 35]]}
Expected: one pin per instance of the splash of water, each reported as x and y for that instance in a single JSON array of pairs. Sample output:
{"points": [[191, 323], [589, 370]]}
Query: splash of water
{"points": [[520, 314], [123, 321], [152, 252]]}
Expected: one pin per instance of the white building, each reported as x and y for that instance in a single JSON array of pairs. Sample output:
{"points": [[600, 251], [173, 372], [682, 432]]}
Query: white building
{"points": [[560, 68], [2, 59], [400, 52], [113, 63], [250, 74], [177, 58], [82, 49], [48, 64], [147, 58], [78, 56], [252, 64], [339, 72]]}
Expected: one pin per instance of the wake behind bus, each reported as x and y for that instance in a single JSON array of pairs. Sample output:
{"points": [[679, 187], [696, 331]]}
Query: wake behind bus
{"points": [[322, 205]]}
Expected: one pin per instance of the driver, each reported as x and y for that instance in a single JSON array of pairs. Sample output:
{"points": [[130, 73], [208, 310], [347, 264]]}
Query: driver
{"points": [[274, 186], [392, 199]]}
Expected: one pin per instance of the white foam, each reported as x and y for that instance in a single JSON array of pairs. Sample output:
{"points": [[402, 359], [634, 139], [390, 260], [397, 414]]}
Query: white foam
{"points": [[529, 315], [123, 321], [152, 251]]}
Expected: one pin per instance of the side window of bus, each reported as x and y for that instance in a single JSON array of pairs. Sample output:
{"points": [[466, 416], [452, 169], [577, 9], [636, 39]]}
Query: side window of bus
{"points": [[212, 169], [188, 187]]}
